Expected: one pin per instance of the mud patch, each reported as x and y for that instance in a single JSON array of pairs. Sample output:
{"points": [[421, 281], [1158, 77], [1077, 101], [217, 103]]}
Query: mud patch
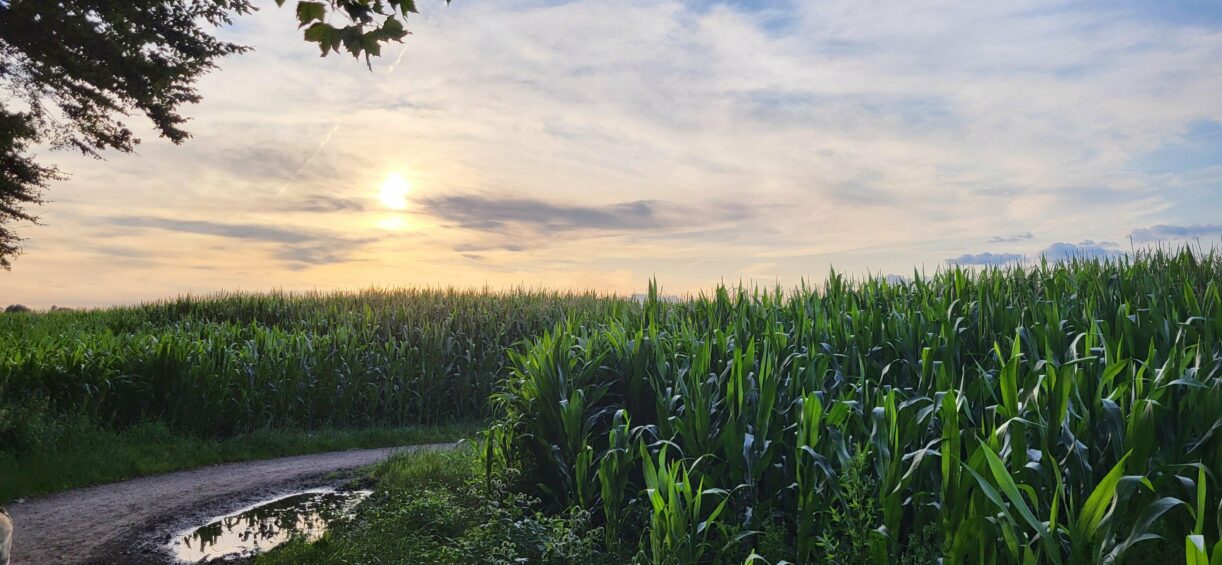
{"points": [[132, 522], [149, 543], [265, 525]]}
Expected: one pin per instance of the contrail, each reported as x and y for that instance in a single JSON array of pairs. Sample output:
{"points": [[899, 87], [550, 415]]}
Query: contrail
{"points": [[398, 60], [327, 138], [304, 164]]}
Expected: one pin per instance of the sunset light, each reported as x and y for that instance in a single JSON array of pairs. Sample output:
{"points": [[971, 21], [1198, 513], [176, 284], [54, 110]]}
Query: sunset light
{"points": [[393, 192], [393, 223], [710, 281]]}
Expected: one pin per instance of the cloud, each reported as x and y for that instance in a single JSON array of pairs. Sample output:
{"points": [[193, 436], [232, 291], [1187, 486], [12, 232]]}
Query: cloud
{"points": [[537, 217], [859, 194], [323, 253], [864, 136], [1012, 238], [495, 214], [1059, 251], [119, 251], [252, 232], [298, 247], [1085, 249], [473, 248], [986, 259], [322, 203], [259, 162], [491, 226], [1163, 231]]}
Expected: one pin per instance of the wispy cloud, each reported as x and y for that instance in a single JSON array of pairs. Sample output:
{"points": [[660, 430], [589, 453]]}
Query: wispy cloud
{"points": [[986, 259], [489, 213], [501, 246], [1012, 238], [252, 232], [530, 217], [322, 203], [320, 253], [1163, 232], [299, 247], [871, 137]]}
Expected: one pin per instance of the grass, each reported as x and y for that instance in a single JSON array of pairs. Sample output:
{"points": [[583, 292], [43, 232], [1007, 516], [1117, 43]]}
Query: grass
{"points": [[86, 455], [437, 507]]}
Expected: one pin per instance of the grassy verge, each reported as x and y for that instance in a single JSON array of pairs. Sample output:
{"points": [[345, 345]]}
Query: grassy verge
{"points": [[82, 455], [437, 507]]}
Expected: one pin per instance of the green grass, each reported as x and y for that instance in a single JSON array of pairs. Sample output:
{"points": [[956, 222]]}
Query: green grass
{"points": [[437, 507], [85, 455]]}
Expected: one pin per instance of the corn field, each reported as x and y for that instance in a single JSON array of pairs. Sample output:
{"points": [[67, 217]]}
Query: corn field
{"points": [[221, 365], [1061, 413]]}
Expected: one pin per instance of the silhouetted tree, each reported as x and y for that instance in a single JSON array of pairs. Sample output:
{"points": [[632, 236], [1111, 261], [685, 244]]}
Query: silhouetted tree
{"points": [[72, 70]]}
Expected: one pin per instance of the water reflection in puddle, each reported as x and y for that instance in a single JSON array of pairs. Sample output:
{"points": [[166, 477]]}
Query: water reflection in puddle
{"points": [[266, 525]]}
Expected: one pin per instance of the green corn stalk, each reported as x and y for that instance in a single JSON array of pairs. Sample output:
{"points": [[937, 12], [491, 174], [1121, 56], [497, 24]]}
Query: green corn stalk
{"points": [[680, 521]]}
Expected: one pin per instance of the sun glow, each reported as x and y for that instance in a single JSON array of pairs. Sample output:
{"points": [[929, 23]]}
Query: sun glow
{"points": [[393, 192], [393, 223]]}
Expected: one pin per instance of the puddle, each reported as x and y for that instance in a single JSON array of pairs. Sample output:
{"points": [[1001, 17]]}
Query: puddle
{"points": [[265, 525]]}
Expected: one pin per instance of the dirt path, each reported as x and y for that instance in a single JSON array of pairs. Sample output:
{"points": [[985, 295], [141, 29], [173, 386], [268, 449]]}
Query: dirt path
{"points": [[116, 523]]}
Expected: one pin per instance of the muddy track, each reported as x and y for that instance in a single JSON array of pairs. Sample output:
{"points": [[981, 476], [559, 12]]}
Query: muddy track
{"points": [[128, 522]]}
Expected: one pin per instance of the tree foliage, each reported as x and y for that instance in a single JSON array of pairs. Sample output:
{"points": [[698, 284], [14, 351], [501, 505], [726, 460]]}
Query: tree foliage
{"points": [[371, 23], [71, 72]]}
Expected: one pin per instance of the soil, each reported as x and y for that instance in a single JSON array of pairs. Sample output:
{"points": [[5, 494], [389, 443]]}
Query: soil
{"points": [[131, 522]]}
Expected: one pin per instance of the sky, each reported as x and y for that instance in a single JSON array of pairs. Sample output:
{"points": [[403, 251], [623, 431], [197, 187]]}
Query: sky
{"points": [[596, 144]]}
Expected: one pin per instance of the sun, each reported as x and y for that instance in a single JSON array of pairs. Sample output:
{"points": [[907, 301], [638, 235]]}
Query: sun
{"points": [[393, 192]]}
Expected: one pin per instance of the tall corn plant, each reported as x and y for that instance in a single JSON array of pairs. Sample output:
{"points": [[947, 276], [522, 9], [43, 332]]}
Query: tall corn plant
{"points": [[684, 513], [1055, 413]]}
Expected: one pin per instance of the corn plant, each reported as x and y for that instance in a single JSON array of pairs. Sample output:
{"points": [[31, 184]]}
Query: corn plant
{"points": [[1057, 413], [229, 363], [684, 513]]}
